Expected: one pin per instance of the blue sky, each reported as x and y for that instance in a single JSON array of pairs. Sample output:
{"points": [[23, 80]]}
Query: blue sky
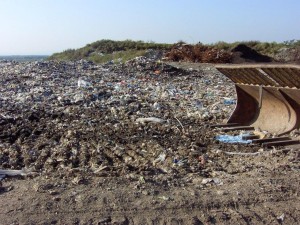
{"points": [[48, 26]]}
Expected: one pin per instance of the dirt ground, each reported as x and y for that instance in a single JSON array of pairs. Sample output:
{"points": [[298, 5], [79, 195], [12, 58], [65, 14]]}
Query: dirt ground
{"points": [[205, 185]]}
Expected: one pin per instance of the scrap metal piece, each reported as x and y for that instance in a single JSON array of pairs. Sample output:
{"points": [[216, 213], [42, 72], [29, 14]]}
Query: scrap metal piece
{"points": [[226, 129], [224, 125], [268, 96], [250, 137], [281, 143], [261, 141], [246, 76]]}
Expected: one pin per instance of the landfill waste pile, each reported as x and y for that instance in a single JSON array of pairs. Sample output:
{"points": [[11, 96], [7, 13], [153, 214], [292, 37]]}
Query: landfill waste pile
{"points": [[197, 53], [291, 55], [205, 54], [107, 119], [130, 143]]}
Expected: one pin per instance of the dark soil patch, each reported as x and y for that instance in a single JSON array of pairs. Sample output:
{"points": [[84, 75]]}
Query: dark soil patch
{"points": [[242, 54]]}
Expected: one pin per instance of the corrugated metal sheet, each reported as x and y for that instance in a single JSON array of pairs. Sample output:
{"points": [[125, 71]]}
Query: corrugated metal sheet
{"points": [[247, 76], [266, 75], [285, 77]]}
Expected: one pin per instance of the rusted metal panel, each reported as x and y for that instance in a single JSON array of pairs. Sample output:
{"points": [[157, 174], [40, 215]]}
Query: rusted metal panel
{"points": [[237, 128], [237, 76], [295, 76], [247, 76], [250, 137], [268, 96], [281, 143], [259, 77], [260, 141], [289, 77], [224, 125], [280, 75], [230, 74]]}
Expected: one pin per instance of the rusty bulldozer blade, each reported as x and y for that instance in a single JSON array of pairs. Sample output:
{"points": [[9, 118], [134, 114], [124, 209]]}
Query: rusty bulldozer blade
{"points": [[268, 96]]}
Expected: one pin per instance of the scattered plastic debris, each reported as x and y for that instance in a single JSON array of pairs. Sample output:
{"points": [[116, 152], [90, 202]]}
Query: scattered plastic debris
{"points": [[215, 181], [233, 139], [150, 119], [281, 218], [108, 118], [83, 83], [228, 101]]}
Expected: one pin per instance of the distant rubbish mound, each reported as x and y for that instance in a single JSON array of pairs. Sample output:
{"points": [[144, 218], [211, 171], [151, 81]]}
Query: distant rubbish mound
{"points": [[243, 54], [288, 55], [206, 54], [197, 53]]}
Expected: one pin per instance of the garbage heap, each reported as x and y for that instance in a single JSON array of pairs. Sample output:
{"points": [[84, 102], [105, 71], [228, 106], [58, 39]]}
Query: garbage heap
{"points": [[198, 53], [144, 116], [239, 54]]}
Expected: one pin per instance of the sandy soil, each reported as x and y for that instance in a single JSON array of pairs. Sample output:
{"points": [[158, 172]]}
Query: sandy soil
{"points": [[253, 190]]}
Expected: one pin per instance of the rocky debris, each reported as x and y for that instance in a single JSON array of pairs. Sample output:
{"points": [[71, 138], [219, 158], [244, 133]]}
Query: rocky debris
{"points": [[108, 119], [290, 55]]}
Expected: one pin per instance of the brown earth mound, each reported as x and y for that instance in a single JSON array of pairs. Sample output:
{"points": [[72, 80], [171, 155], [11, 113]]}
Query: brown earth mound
{"points": [[243, 53]]}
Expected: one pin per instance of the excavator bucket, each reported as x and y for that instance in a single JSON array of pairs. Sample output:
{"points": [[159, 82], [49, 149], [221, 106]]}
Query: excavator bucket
{"points": [[268, 96]]}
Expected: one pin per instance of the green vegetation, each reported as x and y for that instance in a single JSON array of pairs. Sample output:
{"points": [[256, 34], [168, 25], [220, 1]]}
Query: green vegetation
{"points": [[106, 50], [266, 48]]}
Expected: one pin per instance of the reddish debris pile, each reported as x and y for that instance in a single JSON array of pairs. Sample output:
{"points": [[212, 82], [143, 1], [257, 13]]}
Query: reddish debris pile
{"points": [[198, 53]]}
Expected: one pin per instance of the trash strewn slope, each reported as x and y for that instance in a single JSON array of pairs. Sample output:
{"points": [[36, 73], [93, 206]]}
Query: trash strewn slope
{"points": [[109, 118], [130, 144]]}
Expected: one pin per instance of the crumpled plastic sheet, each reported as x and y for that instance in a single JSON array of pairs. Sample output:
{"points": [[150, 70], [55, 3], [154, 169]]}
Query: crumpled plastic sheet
{"points": [[233, 139]]}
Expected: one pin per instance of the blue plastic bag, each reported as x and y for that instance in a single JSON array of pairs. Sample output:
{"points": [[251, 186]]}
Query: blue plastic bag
{"points": [[233, 139]]}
